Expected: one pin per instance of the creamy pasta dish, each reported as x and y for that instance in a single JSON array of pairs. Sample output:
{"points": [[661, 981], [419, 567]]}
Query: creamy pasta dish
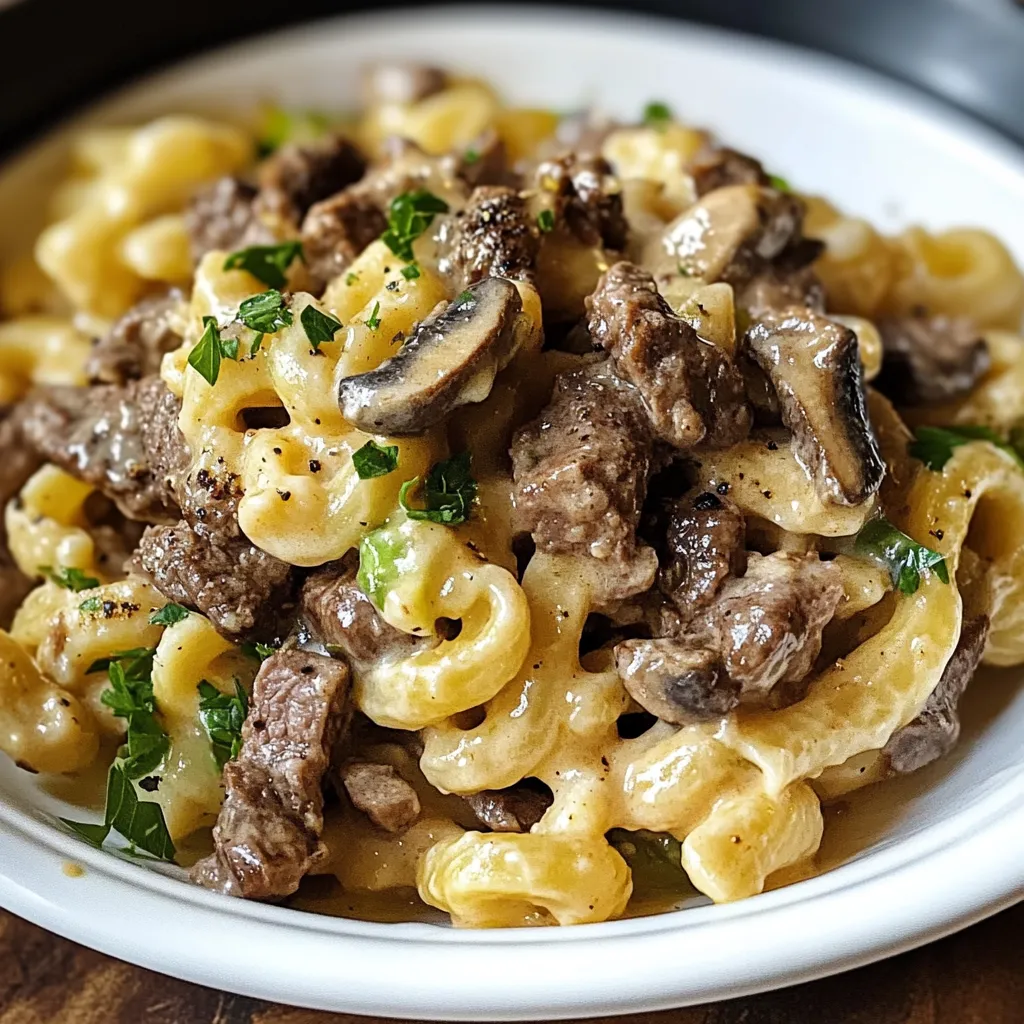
{"points": [[534, 517]]}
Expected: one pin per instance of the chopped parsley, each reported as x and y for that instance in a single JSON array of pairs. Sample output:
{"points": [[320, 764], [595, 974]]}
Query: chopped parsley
{"points": [[901, 555], [374, 460], [69, 578], [546, 221], [169, 615], [379, 555], [373, 320], [448, 492], [464, 298], [351, 277], [210, 350], [779, 184], [411, 271], [91, 604], [934, 445], [657, 115], [267, 263], [257, 651], [223, 716], [281, 126], [319, 327], [409, 215], [265, 313]]}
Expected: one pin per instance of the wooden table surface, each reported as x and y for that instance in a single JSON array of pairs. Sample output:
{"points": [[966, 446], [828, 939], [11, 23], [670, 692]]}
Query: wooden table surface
{"points": [[976, 977]]}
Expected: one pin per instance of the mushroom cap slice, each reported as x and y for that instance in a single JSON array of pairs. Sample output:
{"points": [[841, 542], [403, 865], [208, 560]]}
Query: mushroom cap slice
{"points": [[814, 365], [450, 360]]}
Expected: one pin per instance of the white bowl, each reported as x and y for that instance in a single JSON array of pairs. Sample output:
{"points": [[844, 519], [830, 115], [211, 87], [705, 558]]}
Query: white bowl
{"points": [[919, 857]]}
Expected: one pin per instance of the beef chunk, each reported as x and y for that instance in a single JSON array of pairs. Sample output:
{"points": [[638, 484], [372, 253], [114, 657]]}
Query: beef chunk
{"points": [[341, 615], [789, 280], [930, 359], [767, 625], [718, 166], [516, 809], [123, 440], [381, 794], [135, 346], [338, 229], [222, 217], [934, 732], [495, 237], [704, 544], [268, 834], [580, 472], [297, 176], [587, 199], [692, 390], [675, 680], [240, 588]]}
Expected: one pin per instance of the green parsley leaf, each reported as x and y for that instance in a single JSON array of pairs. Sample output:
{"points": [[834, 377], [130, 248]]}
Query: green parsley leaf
{"points": [[258, 652], [91, 604], [223, 716], [169, 615], [409, 215], [131, 697], [470, 156], [257, 344], [657, 115], [779, 184], [373, 460], [655, 860], [379, 555], [229, 348], [934, 445], [449, 492], [265, 313], [351, 277], [267, 263], [139, 821], [411, 271], [138, 662], [373, 321], [95, 835], [69, 578], [319, 327], [281, 126], [902, 555], [205, 358], [546, 221], [464, 298]]}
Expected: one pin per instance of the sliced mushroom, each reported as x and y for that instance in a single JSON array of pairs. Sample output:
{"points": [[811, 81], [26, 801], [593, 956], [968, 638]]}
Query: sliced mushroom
{"points": [[814, 366], [450, 360], [516, 809], [930, 359], [675, 680]]}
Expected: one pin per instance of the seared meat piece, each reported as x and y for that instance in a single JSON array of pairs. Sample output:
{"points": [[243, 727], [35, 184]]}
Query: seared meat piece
{"points": [[767, 625], [692, 390], [240, 588], [338, 229], [381, 794], [402, 83], [135, 346], [299, 175], [587, 199], [814, 366], [789, 280], [516, 809], [341, 615], [580, 472], [483, 162], [123, 441], [930, 359], [704, 544], [718, 166], [936, 729], [268, 834], [19, 462], [675, 680], [494, 237], [222, 217]]}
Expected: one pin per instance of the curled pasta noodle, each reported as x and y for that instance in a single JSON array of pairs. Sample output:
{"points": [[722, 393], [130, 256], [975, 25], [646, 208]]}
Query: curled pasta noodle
{"points": [[440, 578], [40, 350], [496, 880], [43, 727]]}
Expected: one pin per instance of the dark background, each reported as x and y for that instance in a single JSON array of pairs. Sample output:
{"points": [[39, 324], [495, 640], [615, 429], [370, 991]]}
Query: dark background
{"points": [[58, 54]]}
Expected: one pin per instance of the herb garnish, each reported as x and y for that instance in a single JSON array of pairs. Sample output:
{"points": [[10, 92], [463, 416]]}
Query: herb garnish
{"points": [[546, 221], [222, 716], [169, 615], [409, 215], [779, 184], [470, 156], [449, 492], [655, 861], [373, 320], [281, 126], [257, 651], [902, 555], [657, 115], [934, 445], [351, 277], [267, 263], [379, 555], [373, 460], [69, 578], [319, 327], [91, 604], [265, 313], [210, 350], [411, 271]]}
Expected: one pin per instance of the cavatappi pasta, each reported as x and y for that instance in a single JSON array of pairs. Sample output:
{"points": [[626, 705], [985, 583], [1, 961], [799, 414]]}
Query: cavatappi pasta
{"points": [[530, 499]]}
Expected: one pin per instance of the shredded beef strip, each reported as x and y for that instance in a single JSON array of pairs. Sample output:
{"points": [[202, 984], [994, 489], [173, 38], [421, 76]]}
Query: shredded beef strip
{"points": [[122, 440], [930, 359], [516, 809], [136, 344], [693, 392], [268, 834], [381, 794], [580, 475], [934, 732], [588, 200]]}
